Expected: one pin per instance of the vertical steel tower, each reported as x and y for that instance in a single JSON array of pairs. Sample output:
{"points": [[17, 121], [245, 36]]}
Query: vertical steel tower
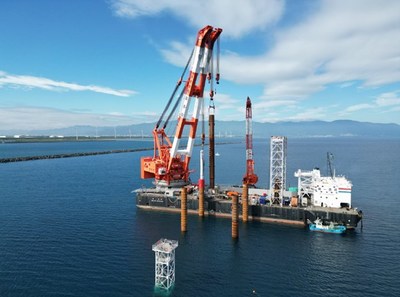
{"points": [[277, 172], [250, 178], [165, 263]]}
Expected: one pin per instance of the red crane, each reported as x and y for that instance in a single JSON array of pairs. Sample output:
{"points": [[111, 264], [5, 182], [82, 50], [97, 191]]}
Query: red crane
{"points": [[250, 178], [169, 165]]}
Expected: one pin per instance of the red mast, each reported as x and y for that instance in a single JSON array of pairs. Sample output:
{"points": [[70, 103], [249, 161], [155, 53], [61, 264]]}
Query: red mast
{"points": [[250, 178]]}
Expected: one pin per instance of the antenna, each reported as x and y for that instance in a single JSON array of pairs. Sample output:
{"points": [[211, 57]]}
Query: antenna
{"points": [[329, 159]]}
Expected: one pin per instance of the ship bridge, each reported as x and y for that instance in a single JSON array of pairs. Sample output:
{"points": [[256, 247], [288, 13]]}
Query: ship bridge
{"points": [[325, 191]]}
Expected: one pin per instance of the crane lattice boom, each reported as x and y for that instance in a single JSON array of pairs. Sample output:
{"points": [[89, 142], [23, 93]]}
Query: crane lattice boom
{"points": [[170, 163]]}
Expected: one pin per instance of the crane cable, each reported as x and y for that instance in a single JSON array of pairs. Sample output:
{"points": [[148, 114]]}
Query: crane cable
{"points": [[173, 95], [218, 54], [212, 90], [211, 77], [174, 108]]}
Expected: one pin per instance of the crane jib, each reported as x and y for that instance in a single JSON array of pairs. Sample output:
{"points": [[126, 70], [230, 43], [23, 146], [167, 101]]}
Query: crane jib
{"points": [[170, 162]]}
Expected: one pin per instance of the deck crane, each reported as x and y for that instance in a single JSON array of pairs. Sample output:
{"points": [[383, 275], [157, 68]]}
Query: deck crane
{"points": [[250, 178], [169, 165]]}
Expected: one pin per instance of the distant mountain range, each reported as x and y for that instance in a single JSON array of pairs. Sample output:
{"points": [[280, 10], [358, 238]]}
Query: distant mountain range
{"points": [[340, 128]]}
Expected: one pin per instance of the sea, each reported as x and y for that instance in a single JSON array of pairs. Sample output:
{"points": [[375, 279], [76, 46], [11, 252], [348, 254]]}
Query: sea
{"points": [[70, 227]]}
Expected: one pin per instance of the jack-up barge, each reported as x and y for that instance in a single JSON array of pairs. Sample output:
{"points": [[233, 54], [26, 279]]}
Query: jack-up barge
{"points": [[315, 197]]}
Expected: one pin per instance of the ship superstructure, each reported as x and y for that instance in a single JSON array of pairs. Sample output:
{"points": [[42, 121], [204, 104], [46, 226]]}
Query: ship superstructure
{"points": [[324, 191]]}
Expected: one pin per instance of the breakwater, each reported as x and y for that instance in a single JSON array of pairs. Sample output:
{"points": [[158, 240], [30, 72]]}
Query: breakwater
{"points": [[83, 154], [70, 155]]}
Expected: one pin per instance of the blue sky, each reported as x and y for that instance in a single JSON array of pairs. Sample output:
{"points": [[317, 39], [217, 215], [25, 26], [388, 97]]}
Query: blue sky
{"points": [[116, 62]]}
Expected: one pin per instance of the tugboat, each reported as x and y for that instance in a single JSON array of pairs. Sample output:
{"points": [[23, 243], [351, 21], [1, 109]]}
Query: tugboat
{"points": [[327, 227]]}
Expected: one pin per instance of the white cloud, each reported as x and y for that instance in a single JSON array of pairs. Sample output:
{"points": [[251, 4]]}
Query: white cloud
{"points": [[347, 84], [145, 116], [225, 101], [394, 109], [236, 18], [178, 53], [52, 85], [116, 114], [273, 103], [358, 107], [388, 99], [267, 110], [32, 118], [386, 102], [344, 41], [311, 114], [339, 43]]}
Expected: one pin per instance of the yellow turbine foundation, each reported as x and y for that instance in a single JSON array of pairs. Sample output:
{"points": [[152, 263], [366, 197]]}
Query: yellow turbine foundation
{"points": [[201, 202], [245, 203], [235, 217], [184, 209]]}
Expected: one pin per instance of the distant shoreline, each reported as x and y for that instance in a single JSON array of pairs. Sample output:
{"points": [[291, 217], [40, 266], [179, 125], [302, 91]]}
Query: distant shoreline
{"points": [[78, 154]]}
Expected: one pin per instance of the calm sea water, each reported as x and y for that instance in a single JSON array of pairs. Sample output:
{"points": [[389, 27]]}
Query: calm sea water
{"points": [[69, 227]]}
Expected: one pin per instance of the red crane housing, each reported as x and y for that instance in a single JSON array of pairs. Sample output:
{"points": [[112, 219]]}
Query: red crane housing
{"points": [[250, 178]]}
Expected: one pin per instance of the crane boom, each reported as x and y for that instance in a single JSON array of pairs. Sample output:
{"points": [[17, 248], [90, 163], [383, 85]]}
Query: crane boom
{"points": [[250, 178], [170, 162]]}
